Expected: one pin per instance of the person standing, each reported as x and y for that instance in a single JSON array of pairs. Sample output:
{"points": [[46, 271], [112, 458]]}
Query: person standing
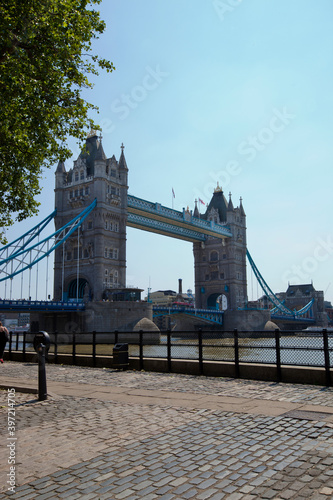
{"points": [[4, 337]]}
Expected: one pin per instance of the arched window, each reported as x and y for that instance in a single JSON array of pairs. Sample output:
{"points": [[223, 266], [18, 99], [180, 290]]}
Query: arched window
{"points": [[214, 256]]}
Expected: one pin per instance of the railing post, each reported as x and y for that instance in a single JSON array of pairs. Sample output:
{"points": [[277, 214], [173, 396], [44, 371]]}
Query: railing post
{"points": [[74, 349], [200, 351], [169, 349], [141, 348], [17, 341], [278, 355], [55, 347], [236, 348], [24, 340], [10, 345], [327, 358], [116, 337], [94, 348]]}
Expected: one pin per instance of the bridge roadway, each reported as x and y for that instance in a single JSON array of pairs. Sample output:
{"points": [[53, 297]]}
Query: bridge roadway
{"points": [[40, 305], [156, 218], [284, 318]]}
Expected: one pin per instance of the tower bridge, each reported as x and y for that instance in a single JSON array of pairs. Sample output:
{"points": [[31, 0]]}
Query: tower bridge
{"points": [[218, 236], [93, 209]]}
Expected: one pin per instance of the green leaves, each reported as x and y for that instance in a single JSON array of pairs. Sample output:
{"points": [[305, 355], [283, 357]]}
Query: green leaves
{"points": [[45, 62]]}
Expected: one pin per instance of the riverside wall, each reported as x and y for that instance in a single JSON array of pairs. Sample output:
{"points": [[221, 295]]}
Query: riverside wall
{"points": [[98, 316]]}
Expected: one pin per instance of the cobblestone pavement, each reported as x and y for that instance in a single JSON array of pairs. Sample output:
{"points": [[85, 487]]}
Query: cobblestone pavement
{"points": [[294, 393], [75, 447]]}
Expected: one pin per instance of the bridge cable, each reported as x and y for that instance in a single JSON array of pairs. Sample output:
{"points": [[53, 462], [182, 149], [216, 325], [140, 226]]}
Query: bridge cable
{"points": [[270, 294]]}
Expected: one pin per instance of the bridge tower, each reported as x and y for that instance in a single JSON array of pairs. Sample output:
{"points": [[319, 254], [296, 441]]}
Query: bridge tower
{"points": [[94, 260], [220, 265]]}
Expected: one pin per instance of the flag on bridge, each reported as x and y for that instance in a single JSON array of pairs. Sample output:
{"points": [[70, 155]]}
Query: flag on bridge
{"points": [[173, 193]]}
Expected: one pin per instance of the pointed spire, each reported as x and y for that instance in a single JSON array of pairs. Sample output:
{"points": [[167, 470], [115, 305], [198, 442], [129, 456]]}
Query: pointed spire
{"points": [[61, 168], [218, 189], [122, 161], [196, 210], [100, 155], [92, 133], [230, 204], [219, 203], [242, 212]]}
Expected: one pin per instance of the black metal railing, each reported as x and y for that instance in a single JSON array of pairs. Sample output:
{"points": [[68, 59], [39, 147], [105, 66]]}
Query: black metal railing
{"points": [[278, 348]]}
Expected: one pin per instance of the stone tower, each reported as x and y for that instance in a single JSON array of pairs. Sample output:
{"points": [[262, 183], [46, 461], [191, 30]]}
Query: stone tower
{"points": [[220, 265], [92, 262]]}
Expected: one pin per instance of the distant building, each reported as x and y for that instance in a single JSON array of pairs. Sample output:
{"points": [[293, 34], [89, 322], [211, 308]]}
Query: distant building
{"points": [[15, 320], [163, 298], [298, 296]]}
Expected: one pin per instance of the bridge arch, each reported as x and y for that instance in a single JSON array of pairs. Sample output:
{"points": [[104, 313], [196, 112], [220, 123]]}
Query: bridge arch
{"points": [[217, 301], [76, 286]]}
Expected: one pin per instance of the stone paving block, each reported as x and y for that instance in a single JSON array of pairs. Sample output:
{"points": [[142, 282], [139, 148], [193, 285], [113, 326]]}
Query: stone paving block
{"points": [[146, 492], [206, 494], [235, 496], [222, 484], [186, 495], [69, 493], [163, 489], [167, 496], [218, 496], [207, 484], [268, 495]]}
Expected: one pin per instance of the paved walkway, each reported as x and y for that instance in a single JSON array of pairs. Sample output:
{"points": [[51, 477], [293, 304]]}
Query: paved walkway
{"points": [[107, 434]]}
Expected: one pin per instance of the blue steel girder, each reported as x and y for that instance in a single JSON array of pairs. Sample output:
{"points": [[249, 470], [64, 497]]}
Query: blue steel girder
{"points": [[298, 313], [26, 258], [159, 227], [40, 305], [292, 319], [206, 314], [154, 217], [8, 251]]}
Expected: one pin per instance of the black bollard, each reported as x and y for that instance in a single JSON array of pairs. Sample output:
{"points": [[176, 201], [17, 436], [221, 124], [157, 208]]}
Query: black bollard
{"points": [[42, 391]]}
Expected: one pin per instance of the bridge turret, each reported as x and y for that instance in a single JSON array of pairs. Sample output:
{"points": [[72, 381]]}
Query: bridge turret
{"points": [[99, 159], [242, 212], [196, 210], [122, 161], [123, 177], [60, 181], [230, 204], [218, 207]]}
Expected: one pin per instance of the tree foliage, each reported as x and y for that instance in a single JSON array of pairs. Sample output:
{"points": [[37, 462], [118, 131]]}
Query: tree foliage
{"points": [[45, 61]]}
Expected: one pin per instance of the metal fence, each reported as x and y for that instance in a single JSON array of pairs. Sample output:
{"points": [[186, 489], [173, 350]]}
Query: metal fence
{"points": [[279, 348]]}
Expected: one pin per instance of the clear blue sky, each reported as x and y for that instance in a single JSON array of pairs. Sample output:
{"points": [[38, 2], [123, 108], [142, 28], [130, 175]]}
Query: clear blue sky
{"points": [[227, 91]]}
